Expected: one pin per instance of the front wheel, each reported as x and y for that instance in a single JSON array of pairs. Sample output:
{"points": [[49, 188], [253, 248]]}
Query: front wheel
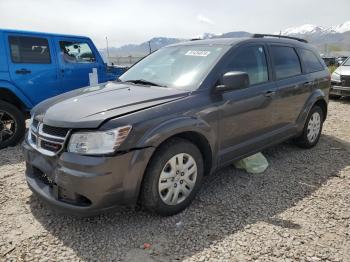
{"points": [[173, 177], [12, 125], [312, 129]]}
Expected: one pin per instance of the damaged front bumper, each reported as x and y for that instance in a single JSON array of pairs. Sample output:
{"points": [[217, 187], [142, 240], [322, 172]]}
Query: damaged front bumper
{"points": [[86, 185]]}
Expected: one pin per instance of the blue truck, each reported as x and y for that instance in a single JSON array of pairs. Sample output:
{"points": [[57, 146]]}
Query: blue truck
{"points": [[36, 66]]}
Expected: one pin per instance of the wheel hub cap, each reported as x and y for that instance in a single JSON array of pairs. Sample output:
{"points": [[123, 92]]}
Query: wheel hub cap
{"points": [[177, 179], [314, 127]]}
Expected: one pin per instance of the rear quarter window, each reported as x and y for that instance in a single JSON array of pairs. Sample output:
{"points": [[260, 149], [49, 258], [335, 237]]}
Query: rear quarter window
{"points": [[310, 61], [286, 61], [29, 50]]}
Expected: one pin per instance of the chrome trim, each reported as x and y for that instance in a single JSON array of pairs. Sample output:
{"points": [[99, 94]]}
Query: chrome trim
{"points": [[41, 136]]}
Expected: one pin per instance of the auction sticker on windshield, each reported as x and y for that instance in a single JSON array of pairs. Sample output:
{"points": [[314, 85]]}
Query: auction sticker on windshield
{"points": [[197, 53]]}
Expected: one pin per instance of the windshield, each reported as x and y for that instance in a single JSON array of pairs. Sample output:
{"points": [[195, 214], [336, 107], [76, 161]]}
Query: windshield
{"points": [[182, 67], [347, 62]]}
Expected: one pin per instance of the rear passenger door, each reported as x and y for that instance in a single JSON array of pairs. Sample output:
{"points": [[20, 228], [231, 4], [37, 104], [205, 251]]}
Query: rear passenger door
{"points": [[293, 87], [78, 64], [32, 66]]}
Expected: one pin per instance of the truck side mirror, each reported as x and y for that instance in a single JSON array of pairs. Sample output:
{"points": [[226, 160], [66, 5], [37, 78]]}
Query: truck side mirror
{"points": [[233, 80]]}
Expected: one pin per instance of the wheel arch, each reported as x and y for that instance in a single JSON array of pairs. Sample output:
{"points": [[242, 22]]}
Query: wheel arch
{"points": [[8, 94], [316, 98], [186, 129]]}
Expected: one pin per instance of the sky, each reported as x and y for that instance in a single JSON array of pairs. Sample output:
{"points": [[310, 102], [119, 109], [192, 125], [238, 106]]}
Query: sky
{"points": [[136, 21]]}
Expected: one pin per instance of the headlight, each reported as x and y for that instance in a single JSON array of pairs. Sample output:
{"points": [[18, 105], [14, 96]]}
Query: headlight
{"points": [[101, 142], [335, 77]]}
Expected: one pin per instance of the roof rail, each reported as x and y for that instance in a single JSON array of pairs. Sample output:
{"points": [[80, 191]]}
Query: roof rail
{"points": [[279, 36]]}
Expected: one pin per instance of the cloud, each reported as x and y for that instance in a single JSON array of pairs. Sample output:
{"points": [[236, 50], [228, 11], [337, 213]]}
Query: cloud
{"points": [[205, 20]]}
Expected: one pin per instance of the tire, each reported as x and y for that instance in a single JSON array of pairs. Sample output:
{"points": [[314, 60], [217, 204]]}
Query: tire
{"points": [[164, 179], [312, 129], [12, 125]]}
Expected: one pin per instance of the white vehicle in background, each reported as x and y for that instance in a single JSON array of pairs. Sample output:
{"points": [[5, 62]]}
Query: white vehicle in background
{"points": [[340, 82]]}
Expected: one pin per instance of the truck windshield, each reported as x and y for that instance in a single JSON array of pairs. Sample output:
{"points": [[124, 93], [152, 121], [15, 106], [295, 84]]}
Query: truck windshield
{"points": [[181, 67], [347, 62]]}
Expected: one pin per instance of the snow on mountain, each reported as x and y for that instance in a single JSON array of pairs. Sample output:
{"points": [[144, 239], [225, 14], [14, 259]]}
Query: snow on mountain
{"points": [[309, 29], [342, 28], [304, 29]]}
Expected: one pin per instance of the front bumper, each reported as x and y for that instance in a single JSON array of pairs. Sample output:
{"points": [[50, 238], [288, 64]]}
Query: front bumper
{"points": [[86, 185], [339, 90]]}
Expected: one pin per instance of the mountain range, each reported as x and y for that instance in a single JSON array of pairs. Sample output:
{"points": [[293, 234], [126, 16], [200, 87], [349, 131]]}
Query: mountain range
{"points": [[334, 38]]}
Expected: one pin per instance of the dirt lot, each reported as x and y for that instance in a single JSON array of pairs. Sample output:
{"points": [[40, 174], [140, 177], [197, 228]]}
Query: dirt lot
{"points": [[299, 209]]}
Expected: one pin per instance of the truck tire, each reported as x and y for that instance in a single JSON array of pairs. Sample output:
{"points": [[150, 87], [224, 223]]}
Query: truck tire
{"points": [[12, 125], [312, 129], [173, 177]]}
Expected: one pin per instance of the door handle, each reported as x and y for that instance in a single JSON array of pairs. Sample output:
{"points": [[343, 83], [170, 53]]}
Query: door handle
{"points": [[23, 71], [308, 84], [270, 93]]}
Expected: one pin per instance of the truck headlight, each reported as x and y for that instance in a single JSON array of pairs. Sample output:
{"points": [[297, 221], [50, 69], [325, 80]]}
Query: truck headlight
{"points": [[335, 77], [100, 142]]}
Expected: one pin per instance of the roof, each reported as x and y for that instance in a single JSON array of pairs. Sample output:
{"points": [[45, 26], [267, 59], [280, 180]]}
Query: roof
{"points": [[15, 31], [234, 41]]}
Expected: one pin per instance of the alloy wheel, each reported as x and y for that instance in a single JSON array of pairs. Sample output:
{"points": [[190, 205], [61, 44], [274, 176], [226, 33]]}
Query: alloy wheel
{"points": [[7, 126]]}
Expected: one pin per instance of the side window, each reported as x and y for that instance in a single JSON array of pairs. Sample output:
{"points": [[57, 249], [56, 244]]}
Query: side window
{"points": [[310, 60], [29, 50], [252, 60], [286, 61], [76, 52]]}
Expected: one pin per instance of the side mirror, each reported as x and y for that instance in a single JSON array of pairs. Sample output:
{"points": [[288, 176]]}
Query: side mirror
{"points": [[232, 81]]}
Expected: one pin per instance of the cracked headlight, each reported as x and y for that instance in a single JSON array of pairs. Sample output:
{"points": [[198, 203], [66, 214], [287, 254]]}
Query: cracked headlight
{"points": [[98, 143]]}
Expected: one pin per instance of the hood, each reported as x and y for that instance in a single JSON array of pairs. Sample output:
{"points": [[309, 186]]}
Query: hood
{"points": [[343, 70], [89, 107]]}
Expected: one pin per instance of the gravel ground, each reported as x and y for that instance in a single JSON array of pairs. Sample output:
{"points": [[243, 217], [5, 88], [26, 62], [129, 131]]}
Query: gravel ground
{"points": [[297, 210]]}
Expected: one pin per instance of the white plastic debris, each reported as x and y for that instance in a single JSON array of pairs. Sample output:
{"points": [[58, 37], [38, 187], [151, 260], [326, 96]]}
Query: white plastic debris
{"points": [[253, 164]]}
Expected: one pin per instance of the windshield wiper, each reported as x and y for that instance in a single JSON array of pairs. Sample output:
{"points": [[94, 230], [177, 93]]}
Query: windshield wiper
{"points": [[144, 82]]}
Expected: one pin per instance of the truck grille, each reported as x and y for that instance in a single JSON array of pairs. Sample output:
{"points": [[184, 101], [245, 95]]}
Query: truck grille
{"points": [[345, 81], [46, 139]]}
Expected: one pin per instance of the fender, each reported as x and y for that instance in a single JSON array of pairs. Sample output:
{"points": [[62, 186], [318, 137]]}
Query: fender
{"points": [[16, 92], [316, 95], [155, 136]]}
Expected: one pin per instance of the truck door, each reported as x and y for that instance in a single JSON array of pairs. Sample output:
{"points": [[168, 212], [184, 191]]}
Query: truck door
{"points": [[78, 63], [32, 66]]}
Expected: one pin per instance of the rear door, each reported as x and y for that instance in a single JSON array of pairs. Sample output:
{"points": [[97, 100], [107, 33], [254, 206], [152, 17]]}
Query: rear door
{"points": [[293, 87], [78, 63], [32, 65]]}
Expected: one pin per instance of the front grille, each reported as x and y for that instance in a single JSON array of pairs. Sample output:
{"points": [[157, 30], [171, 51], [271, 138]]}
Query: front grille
{"points": [[53, 147], [55, 131], [345, 80], [46, 139]]}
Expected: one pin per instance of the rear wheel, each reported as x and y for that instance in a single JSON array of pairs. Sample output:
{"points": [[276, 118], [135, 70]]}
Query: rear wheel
{"points": [[12, 125], [173, 177], [312, 129]]}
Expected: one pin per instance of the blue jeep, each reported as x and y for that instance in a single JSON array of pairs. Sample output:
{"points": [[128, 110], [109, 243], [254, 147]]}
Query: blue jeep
{"points": [[36, 66]]}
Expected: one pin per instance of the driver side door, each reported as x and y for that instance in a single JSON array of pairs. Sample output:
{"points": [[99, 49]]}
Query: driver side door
{"points": [[246, 114]]}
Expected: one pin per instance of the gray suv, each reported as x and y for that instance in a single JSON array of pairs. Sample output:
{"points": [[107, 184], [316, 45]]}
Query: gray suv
{"points": [[174, 117]]}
